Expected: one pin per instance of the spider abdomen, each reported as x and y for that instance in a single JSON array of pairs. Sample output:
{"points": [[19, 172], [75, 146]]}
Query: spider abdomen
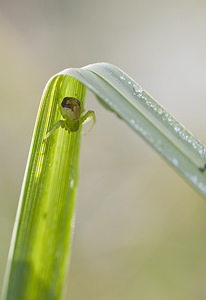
{"points": [[71, 108]]}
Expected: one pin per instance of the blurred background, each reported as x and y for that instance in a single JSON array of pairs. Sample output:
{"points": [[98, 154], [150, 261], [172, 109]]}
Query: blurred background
{"points": [[140, 228]]}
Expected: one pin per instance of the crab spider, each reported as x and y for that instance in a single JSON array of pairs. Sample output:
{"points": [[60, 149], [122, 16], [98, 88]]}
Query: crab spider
{"points": [[71, 109]]}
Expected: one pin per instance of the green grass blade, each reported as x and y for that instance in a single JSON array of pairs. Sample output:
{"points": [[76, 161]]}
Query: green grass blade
{"points": [[41, 239], [121, 94], [40, 246]]}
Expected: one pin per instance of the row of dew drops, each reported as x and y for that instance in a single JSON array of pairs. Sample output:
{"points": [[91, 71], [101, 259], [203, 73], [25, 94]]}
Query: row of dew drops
{"points": [[161, 113]]}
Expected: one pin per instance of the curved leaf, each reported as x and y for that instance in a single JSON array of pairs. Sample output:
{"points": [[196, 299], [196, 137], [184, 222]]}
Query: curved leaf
{"points": [[122, 95]]}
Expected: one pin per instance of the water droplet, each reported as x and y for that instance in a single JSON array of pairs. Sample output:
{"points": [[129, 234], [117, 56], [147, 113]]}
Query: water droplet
{"points": [[194, 144], [160, 111], [177, 127], [202, 151], [175, 162]]}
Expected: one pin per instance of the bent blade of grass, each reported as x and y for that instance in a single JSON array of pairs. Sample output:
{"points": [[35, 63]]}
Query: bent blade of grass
{"points": [[122, 95], [42, 234], [41, 238]]}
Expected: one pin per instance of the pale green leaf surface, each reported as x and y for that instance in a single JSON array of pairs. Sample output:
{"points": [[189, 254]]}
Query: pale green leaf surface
{"points": [[121, 94]]}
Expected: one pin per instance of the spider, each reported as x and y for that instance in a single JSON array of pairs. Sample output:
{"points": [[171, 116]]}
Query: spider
{"points": [[71, 109]]}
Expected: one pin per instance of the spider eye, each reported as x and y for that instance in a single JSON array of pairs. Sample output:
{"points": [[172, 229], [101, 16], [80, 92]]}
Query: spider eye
{"points": [[71, 108]]}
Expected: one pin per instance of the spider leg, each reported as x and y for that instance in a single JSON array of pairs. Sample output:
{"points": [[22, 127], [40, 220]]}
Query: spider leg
{"points": [[57, 125], [88, 115]]}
